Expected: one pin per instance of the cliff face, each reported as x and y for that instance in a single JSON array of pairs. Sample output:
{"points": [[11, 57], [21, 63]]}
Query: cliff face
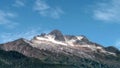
{"points": [[75, 51]]}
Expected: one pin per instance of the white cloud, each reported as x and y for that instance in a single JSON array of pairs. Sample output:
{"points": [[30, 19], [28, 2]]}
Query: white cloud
{"points": [[108, 11], [41, 5], [46, 10], [6, 19], [27, 34], [6, 37], [19, 3]]}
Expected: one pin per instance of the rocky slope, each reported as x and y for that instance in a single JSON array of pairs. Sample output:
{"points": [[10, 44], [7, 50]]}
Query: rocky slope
{"points": [[12, 59], [56, 48]]}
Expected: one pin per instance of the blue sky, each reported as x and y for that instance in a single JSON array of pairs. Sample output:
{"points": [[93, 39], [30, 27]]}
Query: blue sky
{"points": [[97, 19]]}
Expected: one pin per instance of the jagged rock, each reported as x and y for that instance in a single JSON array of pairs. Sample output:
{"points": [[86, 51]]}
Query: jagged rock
{"points": [[84, 38], [43, 34], [58, 35], [70, 37]]}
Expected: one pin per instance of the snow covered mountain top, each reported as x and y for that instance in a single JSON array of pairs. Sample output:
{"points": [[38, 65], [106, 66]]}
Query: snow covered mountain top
{"points": [[58, 38], [77, 42]]}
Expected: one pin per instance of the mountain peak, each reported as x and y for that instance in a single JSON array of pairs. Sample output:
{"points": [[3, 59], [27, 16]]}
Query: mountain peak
{"points": [[56, 31], [58, 35]]}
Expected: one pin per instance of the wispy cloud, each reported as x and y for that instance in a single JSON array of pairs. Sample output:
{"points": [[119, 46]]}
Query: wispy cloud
{"points": [[29, 33], [18, 3], [44, 9], [6, 37], [6, 19], [108, 11]]}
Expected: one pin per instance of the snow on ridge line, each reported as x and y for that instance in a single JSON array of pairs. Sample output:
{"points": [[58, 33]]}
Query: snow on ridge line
{"points": [[51, 40], [70, 42]]}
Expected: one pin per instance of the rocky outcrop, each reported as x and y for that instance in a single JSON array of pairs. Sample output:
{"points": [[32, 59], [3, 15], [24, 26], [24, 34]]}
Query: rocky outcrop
{"points": [[112, 49], [58, 35]]}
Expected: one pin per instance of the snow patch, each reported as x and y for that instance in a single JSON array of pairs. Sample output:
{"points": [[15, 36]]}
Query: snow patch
{"points": [[79, 37], [50, 39], [112, 53], [70, 42]]}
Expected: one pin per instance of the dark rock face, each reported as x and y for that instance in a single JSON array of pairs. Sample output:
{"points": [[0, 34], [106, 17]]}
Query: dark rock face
{"points": [[84, 38], [70, 37], [58, 35], [80, 42], [112, 49], [43, 34], [83, 41]]}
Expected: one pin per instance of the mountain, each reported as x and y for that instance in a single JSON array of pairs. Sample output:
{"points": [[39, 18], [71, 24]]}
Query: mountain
{"points": [[55, 50], [12, 59]]}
